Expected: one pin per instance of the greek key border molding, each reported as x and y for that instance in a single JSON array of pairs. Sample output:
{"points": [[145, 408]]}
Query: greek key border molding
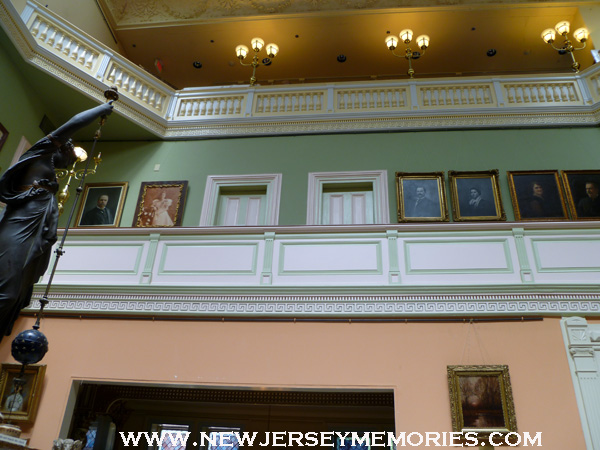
{"points": [[323, 305]]}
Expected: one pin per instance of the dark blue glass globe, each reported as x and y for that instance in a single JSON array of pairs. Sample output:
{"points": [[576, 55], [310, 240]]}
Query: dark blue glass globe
{"points": [[29, 347]]}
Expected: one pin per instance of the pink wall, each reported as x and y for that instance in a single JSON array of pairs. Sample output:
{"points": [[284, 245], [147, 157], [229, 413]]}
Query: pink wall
{"points": [[410, 358]]}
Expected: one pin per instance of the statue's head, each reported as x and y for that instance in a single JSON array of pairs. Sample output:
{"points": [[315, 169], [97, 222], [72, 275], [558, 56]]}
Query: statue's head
{"points": [[65, 156]]}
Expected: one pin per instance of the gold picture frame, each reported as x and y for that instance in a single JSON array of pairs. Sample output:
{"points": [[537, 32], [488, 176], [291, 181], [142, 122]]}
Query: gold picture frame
{"points": [[111, 196], [20, 405], [583, 193], [481, 401], [475, 196], [537, 195], [421, 197], [160, 204]]}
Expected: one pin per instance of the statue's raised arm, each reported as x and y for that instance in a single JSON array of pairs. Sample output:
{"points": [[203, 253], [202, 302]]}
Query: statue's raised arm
{"points": [[63, 133], [28, 226]]}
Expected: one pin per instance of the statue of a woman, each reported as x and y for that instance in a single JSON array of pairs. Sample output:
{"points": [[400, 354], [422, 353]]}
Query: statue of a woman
{"points": [[28, 227]]}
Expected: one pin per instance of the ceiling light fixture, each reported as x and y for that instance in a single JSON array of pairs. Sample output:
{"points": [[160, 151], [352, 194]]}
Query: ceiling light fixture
{"points": [[406, 36], [563, 27], [241, 51]]}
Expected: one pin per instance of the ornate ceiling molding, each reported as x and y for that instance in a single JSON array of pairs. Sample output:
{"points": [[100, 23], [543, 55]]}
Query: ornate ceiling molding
{"points": [[125, 13]]}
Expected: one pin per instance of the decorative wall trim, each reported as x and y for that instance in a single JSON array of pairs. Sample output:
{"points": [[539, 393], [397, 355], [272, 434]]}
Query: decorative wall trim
{"points": [[583, 352], [229, 111], [330, 306]]}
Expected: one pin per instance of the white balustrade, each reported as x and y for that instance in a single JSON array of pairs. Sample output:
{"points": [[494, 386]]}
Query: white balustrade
{"points": [[456, 96], [206, 107], [63, 44], [371, 99], [127, 82], [530, 94], [289, 102], [594, 85]]}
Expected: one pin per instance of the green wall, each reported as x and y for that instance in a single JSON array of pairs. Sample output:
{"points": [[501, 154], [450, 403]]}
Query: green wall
{"points": [[21, 111], [296, 156]]}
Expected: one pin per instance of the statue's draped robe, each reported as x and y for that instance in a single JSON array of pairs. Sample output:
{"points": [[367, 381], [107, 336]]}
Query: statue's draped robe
{"points": [[27, 233]]}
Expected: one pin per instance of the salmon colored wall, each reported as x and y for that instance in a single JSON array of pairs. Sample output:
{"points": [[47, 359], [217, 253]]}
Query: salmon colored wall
{"points": [[410, 358]]}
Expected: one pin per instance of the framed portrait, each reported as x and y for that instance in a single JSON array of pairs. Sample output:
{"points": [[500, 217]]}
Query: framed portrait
{"points": [[476, 196], [160, 204], [421, 197], [537, 195], [101, 205], [481, 400], [20, 396], [3, 135], [583, 193]]}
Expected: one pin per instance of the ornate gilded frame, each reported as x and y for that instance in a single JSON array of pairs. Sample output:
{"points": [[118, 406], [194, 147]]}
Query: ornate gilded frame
{"points": [[487, 184], [31, 391], [526, 206], [406, 186], [152, 192], [481, 401], [116, 200], [575, 182]]}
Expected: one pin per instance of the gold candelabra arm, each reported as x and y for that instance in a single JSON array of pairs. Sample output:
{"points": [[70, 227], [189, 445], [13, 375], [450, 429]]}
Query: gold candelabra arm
{"points": [[61, 173]]}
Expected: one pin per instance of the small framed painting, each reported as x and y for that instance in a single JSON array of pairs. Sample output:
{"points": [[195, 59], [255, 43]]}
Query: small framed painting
{"points": [[537, 195], [101, 205], [481, 401], [583, 193], [421, 197], [160, 204], [20, 395], [476, 196]]}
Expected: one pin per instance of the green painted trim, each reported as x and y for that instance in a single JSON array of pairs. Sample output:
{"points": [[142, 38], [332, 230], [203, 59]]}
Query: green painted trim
{"points": [[377, 271], [135, 271], [266, 277], [538, 262], [393, 257], [146, 277], [252, 271], [526, 273], [509, 266]]}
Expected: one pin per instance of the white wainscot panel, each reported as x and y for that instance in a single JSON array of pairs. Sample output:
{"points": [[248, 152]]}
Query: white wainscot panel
{"points": [[330, 263], [445, 261], [566, 260], [207, 263], [100, 262]]}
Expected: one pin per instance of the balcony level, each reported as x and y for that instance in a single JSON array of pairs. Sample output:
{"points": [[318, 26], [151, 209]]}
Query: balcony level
{"points": [[56, 47], [381, 272]]}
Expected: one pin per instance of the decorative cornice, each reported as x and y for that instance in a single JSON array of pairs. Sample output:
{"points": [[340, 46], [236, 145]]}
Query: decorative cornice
{"points": [[136, 13], [330, 306]]}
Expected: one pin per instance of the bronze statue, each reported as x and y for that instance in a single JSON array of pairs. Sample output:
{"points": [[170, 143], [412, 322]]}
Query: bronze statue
{"points": [[28, 227]]}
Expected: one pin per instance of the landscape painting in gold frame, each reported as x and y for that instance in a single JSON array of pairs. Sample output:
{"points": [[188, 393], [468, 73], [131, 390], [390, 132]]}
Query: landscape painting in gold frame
{"points": [[481, 401]]}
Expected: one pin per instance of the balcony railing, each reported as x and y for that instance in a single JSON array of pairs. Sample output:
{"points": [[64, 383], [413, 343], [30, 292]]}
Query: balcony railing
{"points": [[511, 101]]}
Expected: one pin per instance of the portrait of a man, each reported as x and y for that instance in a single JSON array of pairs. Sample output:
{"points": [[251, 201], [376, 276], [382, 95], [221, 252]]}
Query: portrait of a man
{"points": [[476, 195], [421, 197], [101, 205], [537, 195], [100, 214], [583, 193]]}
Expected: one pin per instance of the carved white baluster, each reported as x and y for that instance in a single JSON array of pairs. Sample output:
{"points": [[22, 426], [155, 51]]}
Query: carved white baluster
{"points": [[35, 26], [52, 37]]}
